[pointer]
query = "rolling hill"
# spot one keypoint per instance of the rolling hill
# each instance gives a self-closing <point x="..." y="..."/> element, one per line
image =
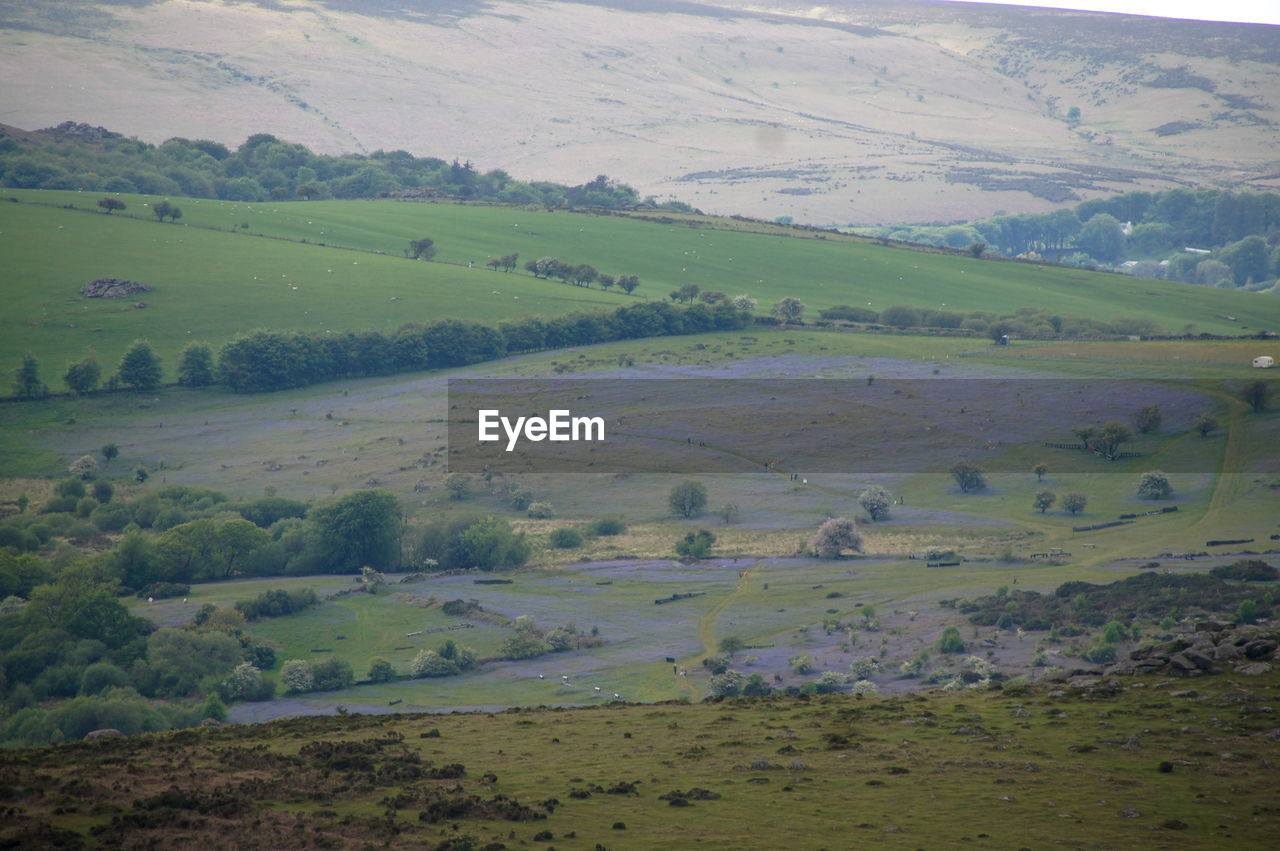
<point x="339" y="265"/>
<point x="847" y="113"/>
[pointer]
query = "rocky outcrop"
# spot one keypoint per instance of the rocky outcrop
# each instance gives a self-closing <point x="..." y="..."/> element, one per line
<point x="1213" y="648"/>
<point x="104" y="733"/>
<point x="112" y="288"/>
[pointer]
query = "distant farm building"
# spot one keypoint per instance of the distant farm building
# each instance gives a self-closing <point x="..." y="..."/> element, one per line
<point x="1264" y="362"/>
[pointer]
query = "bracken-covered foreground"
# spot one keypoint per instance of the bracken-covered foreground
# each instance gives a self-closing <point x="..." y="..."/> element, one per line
<point x="1089" y="761"/>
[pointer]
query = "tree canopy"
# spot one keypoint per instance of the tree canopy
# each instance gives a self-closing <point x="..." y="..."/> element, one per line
<point x="360" y="529"/>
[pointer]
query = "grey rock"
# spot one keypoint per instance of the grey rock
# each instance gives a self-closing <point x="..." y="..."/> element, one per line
<point x="104" y="733"/>
<point x="1254" y="669"/>
<point x="1262" y="648"/>
<point x="1226" y="652"/>
<point x="1199" y="658"/>
<point x="112" y="288"/>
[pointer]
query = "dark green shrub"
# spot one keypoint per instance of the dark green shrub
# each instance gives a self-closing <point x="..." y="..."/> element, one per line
<point x="695" y="545"/>
<point x="60" y="505"/>
<point x="112" y="516"/>
<point x="607" y="527"/>
<point x="900" y="316"/>
<point x="71" y="487"/>
<point x="541" y="510"/>
<point x="565" y="538"/>
<point x="950" y="641"/>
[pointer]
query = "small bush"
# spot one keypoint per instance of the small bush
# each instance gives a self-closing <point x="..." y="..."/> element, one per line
<point x="565" y="538"/>
<point x="429" y="663"/>
<point x="111" y="517"/>
<point x="541" y="510"/>
<point x="1100" y="655"/>
<point x="607" y="527"/>
<point x="950" y="641"/>
<point x="695" y="545"/>
<point x="60" y="505"/>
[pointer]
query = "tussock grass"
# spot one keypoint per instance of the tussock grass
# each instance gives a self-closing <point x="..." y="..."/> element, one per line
<point x="1128" y="762"/>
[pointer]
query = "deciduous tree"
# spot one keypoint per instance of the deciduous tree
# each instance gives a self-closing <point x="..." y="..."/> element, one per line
<point x="82" y="376"/>
<point x="688" y="498"/>
<point x="835" y="535"/>
<point x="360" y="529"/>
<point x="140" y="368"/>
<point x="968" y="476"/>
<point x="876" y="501"/>
<point x="195" y="365"/>
<point x="1147" y="418"/>
<point x="27" y="383"/>
<point x="422" y="249"/>
<point x="1111" y="435"/>
<point x="789" y="310"/>
<point x="1154" y="485"/>
<point x="1204" y="424"/>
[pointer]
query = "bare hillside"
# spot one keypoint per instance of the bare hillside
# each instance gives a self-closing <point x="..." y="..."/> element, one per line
<point x="846" y="113"/>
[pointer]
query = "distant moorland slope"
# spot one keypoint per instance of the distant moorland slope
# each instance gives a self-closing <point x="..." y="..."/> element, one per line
<point x="848" y="113"/>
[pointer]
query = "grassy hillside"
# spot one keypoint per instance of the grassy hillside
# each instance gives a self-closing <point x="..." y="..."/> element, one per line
<point x="211" y="284"/>
<point x="1113" y="763"/>
<point x="835" y="114"/>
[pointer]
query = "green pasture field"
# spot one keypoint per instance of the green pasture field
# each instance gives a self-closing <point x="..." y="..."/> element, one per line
<point x="216" y="283"/>
<point x="209" y="286"/>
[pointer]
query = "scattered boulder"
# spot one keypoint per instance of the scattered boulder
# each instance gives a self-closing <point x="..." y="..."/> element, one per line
<point x="1226" y="653"/>
<point x="1199" y="658"/>
<point x="1262" y="648"/>
<point x="1254" y="669"/>
<point x="104" y="733"/>
<point x="112" y="288"/>
<point x="1181" y="666"/>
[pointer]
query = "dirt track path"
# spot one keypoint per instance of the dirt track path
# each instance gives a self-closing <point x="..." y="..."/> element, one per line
<point x="707" y="630"/>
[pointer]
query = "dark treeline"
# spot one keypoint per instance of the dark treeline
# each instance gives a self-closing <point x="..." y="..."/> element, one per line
<point x="266" y="360"/>
<point x="1197" y="236"/>
<point x="1202" y="218"/>
<point x="92" y="159"/>
<point x="274" y="360"/>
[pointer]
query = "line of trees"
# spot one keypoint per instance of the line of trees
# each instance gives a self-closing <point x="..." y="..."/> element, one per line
<point x="579" y="274"/>
<point x="1023" y="322"/>
<point x="274" y="360"/>
<point x="139" y="370"/>
<point x="265" y="360"/>
<point x="265" y="167"/>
